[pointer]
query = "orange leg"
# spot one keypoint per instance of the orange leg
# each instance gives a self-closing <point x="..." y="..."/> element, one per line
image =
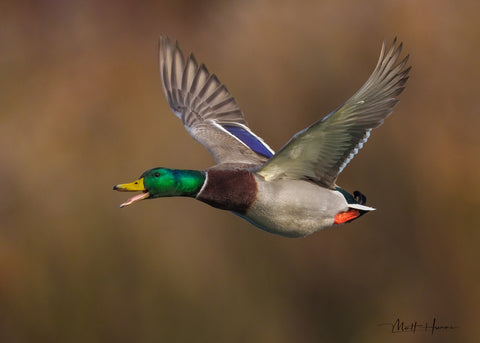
<point x="344" y="217"/>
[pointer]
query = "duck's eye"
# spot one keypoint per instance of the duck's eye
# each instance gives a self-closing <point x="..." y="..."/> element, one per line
<point x="157" y="174"/>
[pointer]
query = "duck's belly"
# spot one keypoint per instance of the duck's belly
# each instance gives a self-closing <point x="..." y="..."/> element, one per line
<point x="294" y="208"/>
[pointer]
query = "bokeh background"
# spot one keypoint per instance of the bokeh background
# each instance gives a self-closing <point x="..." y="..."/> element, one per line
<point x="81" y="109"/>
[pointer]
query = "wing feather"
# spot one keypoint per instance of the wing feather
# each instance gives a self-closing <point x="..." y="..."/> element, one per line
<point x="207" y="108"/>
<point x="320" y="152"/>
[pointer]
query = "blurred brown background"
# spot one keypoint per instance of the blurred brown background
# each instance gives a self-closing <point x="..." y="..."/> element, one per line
<point x="82" y="109"/>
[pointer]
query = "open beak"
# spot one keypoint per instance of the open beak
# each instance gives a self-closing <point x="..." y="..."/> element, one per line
<point x="134" y="186"/>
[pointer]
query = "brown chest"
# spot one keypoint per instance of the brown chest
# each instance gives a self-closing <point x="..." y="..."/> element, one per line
<point x="232" y="190"/>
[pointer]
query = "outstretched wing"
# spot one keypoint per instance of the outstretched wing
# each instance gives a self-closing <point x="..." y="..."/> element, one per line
<point x="208" y="111"/>
<point x="321" y="151"/>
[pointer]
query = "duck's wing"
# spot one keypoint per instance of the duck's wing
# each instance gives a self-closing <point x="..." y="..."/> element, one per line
<point x="207" y="109"/>
<point x="321" y="151"/>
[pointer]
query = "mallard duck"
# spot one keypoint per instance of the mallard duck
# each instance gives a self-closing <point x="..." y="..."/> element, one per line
<point x="292" y="192"/>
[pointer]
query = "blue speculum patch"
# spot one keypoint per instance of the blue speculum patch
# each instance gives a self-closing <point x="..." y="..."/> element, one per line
<point x="250" y="140"/>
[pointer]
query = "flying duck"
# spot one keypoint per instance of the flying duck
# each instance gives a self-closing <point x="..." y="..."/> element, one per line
<point x="292" y="192"/>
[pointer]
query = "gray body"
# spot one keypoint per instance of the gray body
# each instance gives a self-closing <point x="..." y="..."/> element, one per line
<point x="294" y="208"/>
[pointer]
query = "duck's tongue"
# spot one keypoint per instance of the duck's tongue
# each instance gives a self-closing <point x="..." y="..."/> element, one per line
<point x="136" y="198"/>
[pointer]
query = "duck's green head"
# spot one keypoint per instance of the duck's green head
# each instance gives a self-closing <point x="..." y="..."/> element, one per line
<point x="163" y="182"/>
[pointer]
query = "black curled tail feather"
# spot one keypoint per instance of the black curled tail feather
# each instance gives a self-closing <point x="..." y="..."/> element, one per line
<point x="359" y="198"/>
<point x="356" y="198"/>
